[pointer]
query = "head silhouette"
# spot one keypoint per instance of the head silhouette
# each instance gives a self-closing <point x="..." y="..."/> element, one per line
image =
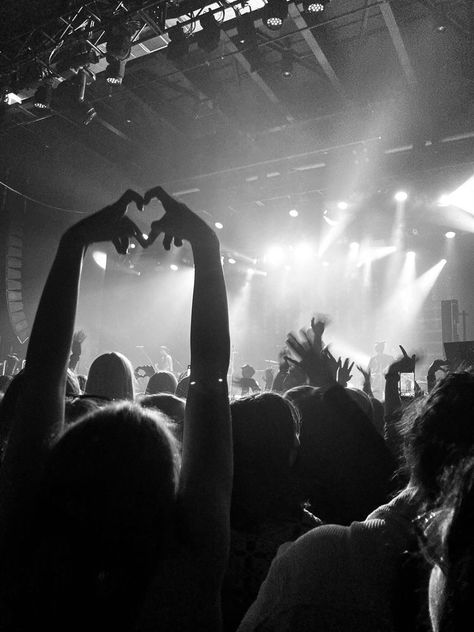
<point x="111" y="375"/>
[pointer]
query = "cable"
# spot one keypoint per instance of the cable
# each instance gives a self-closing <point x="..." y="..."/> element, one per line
<point x="27" y="197"/>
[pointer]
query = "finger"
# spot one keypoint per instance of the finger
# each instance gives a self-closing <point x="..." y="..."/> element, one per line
<point x="132" y="230"/>
<point x="160" y="194"/>
<point x="351" y="366"/>
<point x="156" y="229"/>
<point x="168" y="238"/>
<point x="292" y="361"/>
<point x="405" y="354"/>
<point x="178" y="242"/>
<point x="129" y="196"/>
<point x="120" y="247"/>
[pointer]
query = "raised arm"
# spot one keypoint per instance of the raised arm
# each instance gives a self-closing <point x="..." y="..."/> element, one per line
<point x="40" y="412"/>
<point x="206" y="473"/>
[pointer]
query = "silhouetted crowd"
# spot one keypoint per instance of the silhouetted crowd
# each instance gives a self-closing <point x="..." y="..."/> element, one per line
<point x="306" y="506"/>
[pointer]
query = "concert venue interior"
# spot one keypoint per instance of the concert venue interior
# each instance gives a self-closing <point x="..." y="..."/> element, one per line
<point x="331" y="148"/>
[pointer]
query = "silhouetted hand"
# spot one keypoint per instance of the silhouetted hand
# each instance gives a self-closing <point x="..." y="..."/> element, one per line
<point x="178" y="222"/>
<point x="365" y="374"/>
<point x="311" y="359"/>
<point x="77" y="340"/>
<point x="344" y="372"/>
<point x="437" y="365"/>
<point x="405" y="364"/>
<point x="110" y="224"/>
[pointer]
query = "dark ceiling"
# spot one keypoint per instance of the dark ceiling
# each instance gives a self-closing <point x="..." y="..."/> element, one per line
<point x="377" y="97"/>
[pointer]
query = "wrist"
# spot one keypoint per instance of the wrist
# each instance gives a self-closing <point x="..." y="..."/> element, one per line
<point x="392" y="375"/>
<point x="73" y="240"/>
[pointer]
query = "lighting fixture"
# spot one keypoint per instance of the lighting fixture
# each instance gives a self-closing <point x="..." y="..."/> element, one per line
<point x="450" y="234"/>
<point x="118" y="49"/>
<point x="210" y="35"/>
<point x="43" y="95"/>
<point x="275" y="13"/>
<point x="178" y="45"/>
<point x="246" y="32"/>
<point x="293" y="213"/>
<point x="286" y="63"/>
<point x="401" y="196"/>
<point x="219" y="225"/>
<point x="342" y="206"/>
<point x="312" y="7"/>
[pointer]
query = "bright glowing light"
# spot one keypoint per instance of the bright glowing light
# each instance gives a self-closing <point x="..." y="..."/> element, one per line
<point x="231" y="260"/>
<point x="331" y="222"/>
<point x="342" y="206"/>
<point x="450" y="234"/>
<point x="401" y="196"/>
<point x="173" y="267"/>
<point x="443" y="261"/>
<point x="411" y="254"/>
<point x="132" y="246"/>
<point x="219" y="225"/>
<point x="293" y="213"/>
<point x="274" y="255"/>
<point x="370" y="254"/>
<point x="100" y="258"/>
<point x="303" y="253"/>
<point x="463" y="196"/>
<point x="444" y="200"/>
<point x="145" y="236"/>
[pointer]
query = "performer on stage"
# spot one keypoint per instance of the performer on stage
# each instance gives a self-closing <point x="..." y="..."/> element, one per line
<point x="247" y="382"/>
<point x="378" y="364"/>
<point x="165" y="362"/>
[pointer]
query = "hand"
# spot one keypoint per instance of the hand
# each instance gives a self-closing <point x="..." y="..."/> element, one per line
<point x="405" y="364"/>
<point x="144" y="371"/>
<point x="437" y="365"/>
<point x="77" y="340"/>
<point x="311" y="360"/>
<point x="332" y="363"/>
<point x="344" y="372"/>
<point x="318" y="325"/>
<point x="110" y="224"/>
<point x="365" y="374"/>
<point x="178" y="222"/>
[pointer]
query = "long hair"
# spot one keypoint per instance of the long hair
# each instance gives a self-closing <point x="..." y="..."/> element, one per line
<point x="111" y="375"/>
<point x="107" y="507"/>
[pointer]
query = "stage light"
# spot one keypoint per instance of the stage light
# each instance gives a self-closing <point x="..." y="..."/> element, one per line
<point x="100" y="258"/>
<point x="342" y="206"/>
<point x="444" y="200"/>
<point x="246" y="29"/>
<point x="210" y="35"/>
<point x="173" y="267"/>
<point x="115" y="71"/>
<point x="118" y="49"/>
<point x="145" y="236"/>
<point x="450" y="234"/>
<point x="303" y="253"/>
<point x="219" y="225"/>
<point x="401" y="196"/>
<point x="274" y="255"/>
<point x="309" y="6"/>
<point x="443" y="262"/>
<point x="231" y="261"/>
<point x="411" y="254"/>
<point x="293" y="213"/>
<point x="286" y="64"/>
<point x="132" y="246"/>
<point x="43" y="94"/>
<point x="178" y="45"/>
<point x="275" y="13"/>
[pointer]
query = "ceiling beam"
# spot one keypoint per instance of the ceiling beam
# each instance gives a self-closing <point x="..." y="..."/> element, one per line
<point x="261" y="83"/>
<point x="397" y="40"/>
<point x="316" y="49"/>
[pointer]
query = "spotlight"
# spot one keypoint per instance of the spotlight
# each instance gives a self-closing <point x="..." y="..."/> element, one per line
<point x="145" y="236"/>
<point x="440" y="21"/>
<point x="43" y="95"/>
<point x="275" y="13"/>
<point x="210" y="34"/>
<point x="293" y="213"/>
<point x="115" y="71"/>
<point x="118" y="48"/>
<point x="312" y="7"/>
<point x="342" y="206"/>
<point x="411" y="254"/>
<point x="231" y="260"/>
<point x="450" y="234"/>
<point x="274" y="255"/>
<point x="401" y="196"/>
<point x="173" y="267"/>
<point x="100" y="258"/>
<point x="219" y="225"/>
<point x="178" y="45"/>
<point x="287" y="63"/>
<point x="444" y="200"/>
<point x="246" y="29"/>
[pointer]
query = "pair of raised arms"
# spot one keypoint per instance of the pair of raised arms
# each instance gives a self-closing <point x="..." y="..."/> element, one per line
<point x="111" y="224"/>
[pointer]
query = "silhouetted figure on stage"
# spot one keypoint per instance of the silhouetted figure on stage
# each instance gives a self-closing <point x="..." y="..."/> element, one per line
<point x="165" y="361"/>
<point x="378" y="364"/>
<point x="247" y="383"/>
